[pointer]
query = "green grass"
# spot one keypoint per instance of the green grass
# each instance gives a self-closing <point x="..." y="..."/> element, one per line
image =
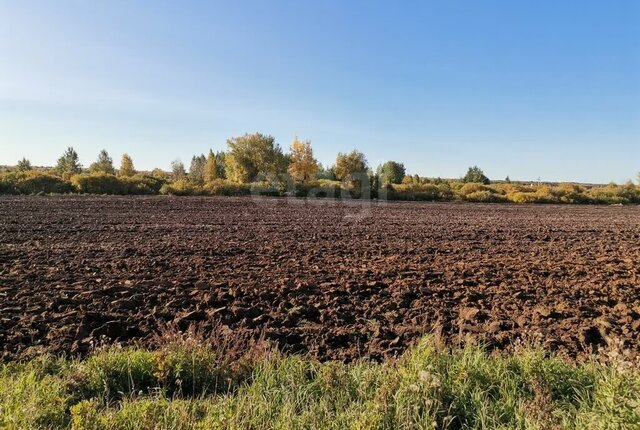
<point x="191" y="385"/>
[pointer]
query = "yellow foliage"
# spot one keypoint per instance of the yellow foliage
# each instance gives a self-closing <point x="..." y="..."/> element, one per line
<point x="485" y="196"/>
<point x="415" y="191"/>
<point x="513" y="188"/>
<point x="474" y="187"/>
<point x="181" y="187"/>
<point x="211" y="168"/>
<point x="303" y="167"/>
<point x="126" y="167"/>
<point x="351" y="166"/>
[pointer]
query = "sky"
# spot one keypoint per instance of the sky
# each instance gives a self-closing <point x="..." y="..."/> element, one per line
<point x="530" y="89"/>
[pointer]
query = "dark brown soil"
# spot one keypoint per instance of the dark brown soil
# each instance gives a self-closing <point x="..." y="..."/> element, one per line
<point x="339" y="281"/>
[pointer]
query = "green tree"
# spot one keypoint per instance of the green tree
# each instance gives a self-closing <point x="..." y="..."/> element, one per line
<point x="211" y="168"/>
<point x="24" y="165"/>
<point x="103" y="164"/>
<point x="475" y="174"/>
<point x="375" y="182"/>
<point x="69" y="163"/>
<point x="177" y="170"/>
<point x="351" y="164"/>
<point x="391" y="172"/>
<point x="303" y="167"/>
<point x="126" y="167"/>
<point x="196" y="169"/>
<point x="251" y="155"/>
<point x="220" y="163"/>
<point x="326" y="173"/>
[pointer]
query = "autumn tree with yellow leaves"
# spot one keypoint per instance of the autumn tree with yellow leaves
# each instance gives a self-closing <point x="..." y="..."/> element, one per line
<point x="126" y="167"/>
<point x="253" y="155"/>
<point x="303" y="167"/>
<point x="211" y="168"/>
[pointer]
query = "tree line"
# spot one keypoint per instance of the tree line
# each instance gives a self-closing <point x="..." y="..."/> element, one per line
<point x="256" y="161"/>
<point x="249" y="158"/>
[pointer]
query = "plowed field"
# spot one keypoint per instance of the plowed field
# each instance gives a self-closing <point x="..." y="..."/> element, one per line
<point x="335" y="280"/>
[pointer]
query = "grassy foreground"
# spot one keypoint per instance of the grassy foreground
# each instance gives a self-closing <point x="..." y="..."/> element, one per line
<point x="188" y="383"/>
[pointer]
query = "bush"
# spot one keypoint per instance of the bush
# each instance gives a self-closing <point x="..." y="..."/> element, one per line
<point x="445" y="191"/>
<point x="267" y="188"/>
<point x="143" y="184"/>
<point x="630" y="192"/>
<point x="33" y="182"/>
<point x="321" y="188"/>
<point x="511" y="188"/>
<point x="615" y="194"/>
<point x="6" y="187"/>
<point x="221" y="187"/>
<point x="8" y="181"/>
<point x="524" y="194"/>
<point x="105" y="183"/>
<point x="181" y="187"/>
<point x="415" y="191"/>
<point x="486" y="196"/>
<point x="38" y="182"/>
<point x="546" y="195"/>
<point x="480" y="193"/>
<point x="98" y="183"/>
<point x="572" y="193"/>
<point x="475" y="187"/>
<point x="521" y="197"/>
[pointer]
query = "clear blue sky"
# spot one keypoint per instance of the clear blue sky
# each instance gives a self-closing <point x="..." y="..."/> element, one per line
<point x="521" y="88"/>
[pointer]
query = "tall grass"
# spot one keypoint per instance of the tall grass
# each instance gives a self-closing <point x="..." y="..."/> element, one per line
<point x="189" y="386"/>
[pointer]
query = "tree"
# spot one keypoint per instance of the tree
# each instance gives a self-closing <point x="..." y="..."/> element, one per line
<point x="23" y="165"/>
<point x="638" y="178"/>
<point x="220" y="164"/>
<point x="475" y="174"/>
<point x="69" y="163"/>
<point x="177" y="170"/>
<point x="211" y="168"/>
<point x="507" y="179"/>
<point x="391" y="172"/>
<point x="251" y="155"/>
<point x="303" y="167"/>
<point x="126" y="167"/>
<point x="374" y="182"/>
<point x="196" y="169"/>
<point x="351" y="164"/>
<point x="103" y="164"/>
<point x="326" y="173"/>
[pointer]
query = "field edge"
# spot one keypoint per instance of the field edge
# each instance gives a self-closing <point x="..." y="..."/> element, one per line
<point x="189" y="382"/>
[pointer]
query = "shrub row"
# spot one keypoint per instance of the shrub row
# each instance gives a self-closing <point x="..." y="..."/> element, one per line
<point x="33" y="182"/>
<point x="38" y="182"/>
<point x="515" y="193"/>
<point x="104" y="183"/>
